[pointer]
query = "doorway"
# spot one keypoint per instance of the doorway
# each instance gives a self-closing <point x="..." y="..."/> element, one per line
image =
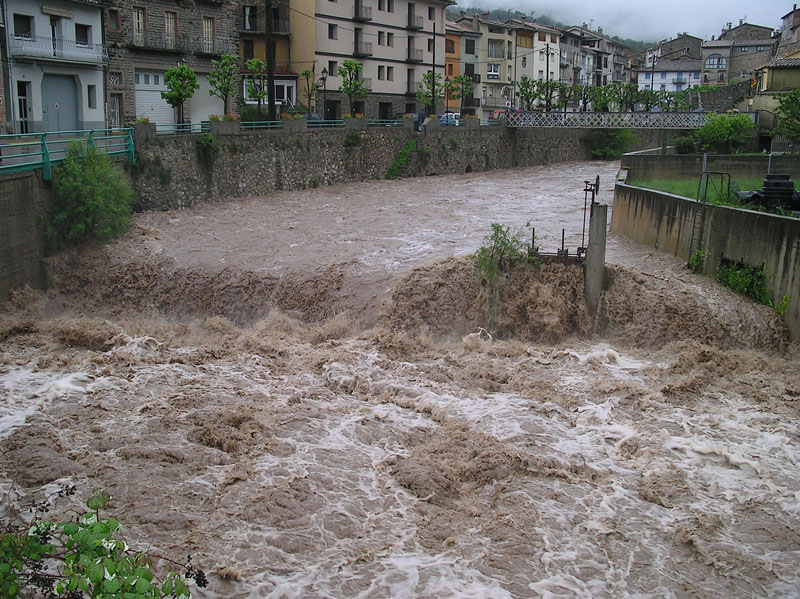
<point x="23" y="106"/>
<point x="59" y="103"/>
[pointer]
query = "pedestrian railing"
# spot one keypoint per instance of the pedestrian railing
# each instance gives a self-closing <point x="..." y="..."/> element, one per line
<point x="260" y="125"/>
<point x="31" y="151"/>
<point x="607" y="120"/>
<point x="175" y="128"/>
<point x="384" y="122"/>
<point x="325" y="124"/>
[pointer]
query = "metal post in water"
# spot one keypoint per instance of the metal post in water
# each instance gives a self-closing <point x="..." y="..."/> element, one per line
<point x="594" y="265"/>
<point x="769" y="164"/>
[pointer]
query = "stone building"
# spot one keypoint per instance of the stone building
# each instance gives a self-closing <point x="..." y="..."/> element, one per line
<point x="147" y="37"/>
<point x="54" y="70"/>
<point x="606" y="61"/>
<point x="738" y="53"/>
<point x="395" y="41"/>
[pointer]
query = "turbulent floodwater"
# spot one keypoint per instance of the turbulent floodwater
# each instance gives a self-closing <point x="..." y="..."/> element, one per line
<point x="299" y="391"/>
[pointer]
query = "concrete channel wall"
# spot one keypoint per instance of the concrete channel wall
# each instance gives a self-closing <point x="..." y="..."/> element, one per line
<point x="665" y="222"/>
<point x="647" y="166"/>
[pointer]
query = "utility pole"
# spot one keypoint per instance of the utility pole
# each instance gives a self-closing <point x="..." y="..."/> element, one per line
<point x="547" y="78"/>
<point x="270" y="63"/>
<point x="433" y="72"/>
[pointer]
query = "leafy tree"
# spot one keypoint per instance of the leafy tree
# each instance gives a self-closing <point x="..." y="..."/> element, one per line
<point x="602" y="97"/>
<point x="352" y="84"/>
<point x="563" y="95"/>
<point x="527" y="93"/>
<point x="256" y="83"/>
<point x="312" y="87"/>
<point x="583" y="95"/>
<point x="92" y="201"/>
<point x="460" y="87"/>
<point x="222" y="79"/>
<point x="648" y="97"/>
<point x="724" y="132"/>
<point x="181" y="84"/>
<point x="431" y="90"/>
<point x="546" y="91"/>
<point x="789" y="114"/>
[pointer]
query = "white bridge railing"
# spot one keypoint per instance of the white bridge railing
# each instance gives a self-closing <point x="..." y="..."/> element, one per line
<point x="608" y="120"/>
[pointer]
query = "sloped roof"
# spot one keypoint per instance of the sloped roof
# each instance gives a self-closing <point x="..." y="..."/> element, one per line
<point x="685" y="64"/>
<point x="784" y="63"/>
<point x="461" y="28"/>
<point x="718" y="44"/>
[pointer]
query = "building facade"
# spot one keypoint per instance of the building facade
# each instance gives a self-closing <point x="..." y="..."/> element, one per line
<point x="55" y="67"/>
<point x="145" y="38"/>
<point x="738" y="53"/>
<point x="671" y="75"/>
<point x="462" y="45"/>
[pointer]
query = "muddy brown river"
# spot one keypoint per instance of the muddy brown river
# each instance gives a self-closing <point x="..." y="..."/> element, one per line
<point x="307" y="394"/>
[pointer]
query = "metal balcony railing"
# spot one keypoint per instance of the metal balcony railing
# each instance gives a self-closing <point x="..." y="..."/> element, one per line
<point x="363" y="48"/>
<point x="414" y="22"/>
<point x="363" y="12"/>
<point x="37" y="46"/>
<point x="492" y="53"/>
<point x="414" y="55"/>
<point x="162" y="41"/>
<point x="280" y="26"/>
<point x="412" y="87"/>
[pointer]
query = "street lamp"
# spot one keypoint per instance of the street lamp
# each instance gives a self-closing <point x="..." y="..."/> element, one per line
<point x="324" y="79"/>
<point x="447" y="94"/>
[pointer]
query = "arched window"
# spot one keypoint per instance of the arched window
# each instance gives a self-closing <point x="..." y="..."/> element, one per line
<point x="716" y="61"/>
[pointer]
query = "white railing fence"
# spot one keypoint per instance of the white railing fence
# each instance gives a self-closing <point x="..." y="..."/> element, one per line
<point x="608" y="120"/>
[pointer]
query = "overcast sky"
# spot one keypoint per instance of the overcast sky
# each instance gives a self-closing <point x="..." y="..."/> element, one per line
<point x="650" y="21"/>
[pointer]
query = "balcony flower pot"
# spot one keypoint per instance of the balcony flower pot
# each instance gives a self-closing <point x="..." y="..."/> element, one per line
<point x="224" y="128"/>
<point x="295" y="125"/>
<point x="144" y="132"/>
<point x="355" y="124"/>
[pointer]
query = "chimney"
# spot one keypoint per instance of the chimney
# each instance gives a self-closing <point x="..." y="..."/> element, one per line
<point x="728" y="25"/>
<point x="485" y="15"/>
<point x="600" y="30"/>
<point x="463" y="14"/>
<point x="741" y="21"/>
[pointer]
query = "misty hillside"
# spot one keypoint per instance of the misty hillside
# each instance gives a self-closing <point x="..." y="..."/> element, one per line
<point x="503" y="14"/>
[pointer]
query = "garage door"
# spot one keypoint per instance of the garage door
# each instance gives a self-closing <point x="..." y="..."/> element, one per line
<point x="149" y="103"/>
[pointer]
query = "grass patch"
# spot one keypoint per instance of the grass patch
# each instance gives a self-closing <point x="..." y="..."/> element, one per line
<point x="715" y="195"/>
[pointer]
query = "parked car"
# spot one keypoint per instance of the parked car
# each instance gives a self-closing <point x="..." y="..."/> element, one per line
<point x="314" y="116"/>
<point x="450" y="119"/>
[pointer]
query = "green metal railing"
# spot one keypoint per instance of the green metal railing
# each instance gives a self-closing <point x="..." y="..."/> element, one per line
<point x="31" y="151"/>
<point x="325" y="124"/>
<point x="175" y="128"/>
<point x="257" y="125"/>
<point x="384" y="122"/>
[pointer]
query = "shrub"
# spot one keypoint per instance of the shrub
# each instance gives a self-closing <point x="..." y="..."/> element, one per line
<point x="251" y="114"/>
<point x="230" y="117"/>
<point x="93" y="199"/>
<point x="745" y="278"/>
<point x="684" y="145"/>
<point x="724" y="132"/>
<point x="352" y="139"/>
<point x="214" y="118"/>
<point x="401" y="160"/>
<point x="207" y="148"/>
<point x="82" y="557"/>
<point x="143" y="120"/>
<point x="607" y="144"/>
<point x="696" y="260"/>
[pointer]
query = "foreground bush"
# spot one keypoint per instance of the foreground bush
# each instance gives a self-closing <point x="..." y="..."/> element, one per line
<point x="92" y="202"/>
<point x="724" y="133"/>
<point x="607" y="144"/>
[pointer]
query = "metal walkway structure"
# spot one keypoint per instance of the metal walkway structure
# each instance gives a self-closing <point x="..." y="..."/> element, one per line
<point x="607" y="120"/>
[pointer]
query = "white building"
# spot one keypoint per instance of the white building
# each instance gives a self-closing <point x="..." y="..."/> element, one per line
<point x="55" y="69"/>
<point x="671" y="75"/>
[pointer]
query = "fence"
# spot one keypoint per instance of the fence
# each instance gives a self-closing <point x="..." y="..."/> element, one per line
<point x="30" y="151"/>
<point x="607" y="120"/>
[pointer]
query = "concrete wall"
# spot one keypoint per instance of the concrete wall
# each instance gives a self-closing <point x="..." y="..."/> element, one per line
<point x="665" y="222"/>
<point x="23" y="197"/>
<point x="689" y="166"/>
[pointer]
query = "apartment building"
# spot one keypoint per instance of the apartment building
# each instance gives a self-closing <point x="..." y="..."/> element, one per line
<point x="575" y="59"/>
<point x="397" y="42"/>
<point x="671" y="75"/>
<point x="682" y="45"/>
<point x="56" y="59"/>
<point x="462" y="45"/>
<point x="147" y="37"/>
<point x="737" y="54"/>
<point x="606" y="58"/>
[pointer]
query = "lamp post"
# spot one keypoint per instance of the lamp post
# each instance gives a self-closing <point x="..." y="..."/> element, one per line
<point x="324" y="79"/>
<point x="447" y="94"/>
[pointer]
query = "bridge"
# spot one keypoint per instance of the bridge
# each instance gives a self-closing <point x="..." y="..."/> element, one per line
<point x="607" y="120"/>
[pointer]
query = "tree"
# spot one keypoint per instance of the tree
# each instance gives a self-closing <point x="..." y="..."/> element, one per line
<point x="583" y="95"/>
<point x="431" y="90"/>
<point x="563" y="95"/>
<point x="312" y="87"/>
<point x="526" y="92"/>
<point x="789" y="114"/>
<point x="222" y="79"/>
<point x="546" y="91"/>
<point x="601" y="96"/>
<point x="460" y="87"/>
<point x="256" y="84"/>
<point x="352" y="84"/>
<point x="724" y="132"/>
<point x="181" y="84"/>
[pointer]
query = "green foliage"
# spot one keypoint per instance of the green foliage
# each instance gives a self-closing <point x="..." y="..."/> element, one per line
<point x="250" y="114"/>
<point x="745" y="278"/>
<point x="352" y="139"/>
<point x="684" y="145"/>
<point x="181" y="84"/>
<point x="257" y="82"/>
<point x="93" y="200"/>
<point x="352" y="84"/>
<point x="431" y="89"/>
<point x="607" y="144"/>
<point x="696" y="260"/>
<point x="222" y="78"/>
<point x="789" y="114"/>
<point x="84" y="557"/>
<point x="724" y="132"/>
<point x="460" y="87"/>
<point x="401" y="160"/>
<point x="207" y="148"/>
<point x="782" y="307"/>
<point x="312" y="86"/>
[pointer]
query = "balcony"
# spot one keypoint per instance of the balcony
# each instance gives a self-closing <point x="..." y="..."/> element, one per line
<point x="412" y="87"/>
<point x="367" y="81"/>
<point x="214" y="47"/>
<point x="414" y="55"/>
<point x="492" y="53"/>
<point x="280" y="26"/>
<point x="414" y="22"/>
<point x="151" y="40"/>
<point x="46" y="48"/>
<point x="362" y="49"/>
<point x="362" y="12"/>
<point x="620" y="59"/>
<point x="680" y="80"/>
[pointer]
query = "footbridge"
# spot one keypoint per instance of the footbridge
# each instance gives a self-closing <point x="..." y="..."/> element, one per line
<point x="606" y="120"/>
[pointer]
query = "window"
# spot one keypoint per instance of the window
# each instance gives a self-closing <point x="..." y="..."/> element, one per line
<point x="333" y="68"/>
<point x="208" y="34"/>
<point x="450" y="69"/>
<point x="147" y="79"/>
<point x="248" y="52"/>
<point x="115" y="78"/>
<point x="82" y="35"/>
<point x="381" y="38"/>
<point x="493" y="71"/>
<point x="390" y="73"/>
<point x="697" y="74"/>
<point x="113" y="20"/>
<point x="390" y="39"/>
<point x="430" y="45"/>
<point x="664" y="75"/>
<point x="744" y="48"/>
<point x="91" y="96"/>
<point x="333" y="32"/>
<point x="678" y="87"/>
<point x="380" y="4"/>
<point x="759" y="48"/>
<point x="23" y="26"/>
<point x="249" y="15"/>
<point x="431" y="13"/>
<point x="524" y="41"/>
<point x="136" y="78"/>
<point x="509" y="72"/>
<point x="469" y="46"/>
<point x="647" y="76"/>
<point x="524" y="61"/>
<point x="170" y="30"/>
<point x="541" y="75"/>
<point x="553" y="39"/>
<point x="139" y="25"/>
<point x="721" y="76"/>
<point x="449" y="46"/>
<point x="605" y="65"/>
<point x="389" y="5"/>
<point x="716" y="61"/>
<point x="155" y="79"/>
<point x="381" y="72"/>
